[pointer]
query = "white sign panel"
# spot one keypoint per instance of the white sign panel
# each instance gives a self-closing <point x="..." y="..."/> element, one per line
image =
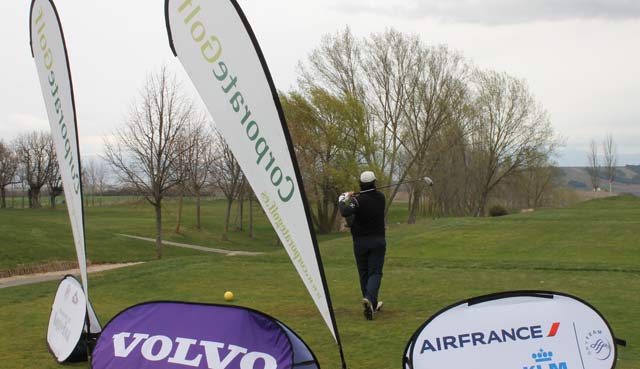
<point x="50" y="55"/>
<point x="531" y="330"/>
<point x="215" y="44"/>
<point x="68" y="318"/>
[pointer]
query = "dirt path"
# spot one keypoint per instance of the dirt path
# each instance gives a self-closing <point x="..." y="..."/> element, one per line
<point x="20" y="280"/>
<point x="196" y="247"/>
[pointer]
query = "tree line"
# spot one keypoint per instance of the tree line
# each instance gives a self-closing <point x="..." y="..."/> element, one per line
<point x="405" y="110"/>
<point x="387" y="103"/>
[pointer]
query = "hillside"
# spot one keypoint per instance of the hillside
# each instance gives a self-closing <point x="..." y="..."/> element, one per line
<point x="627" y="179"/>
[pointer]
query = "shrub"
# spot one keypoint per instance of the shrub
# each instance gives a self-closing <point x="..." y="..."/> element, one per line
<point x="497" y="211"/>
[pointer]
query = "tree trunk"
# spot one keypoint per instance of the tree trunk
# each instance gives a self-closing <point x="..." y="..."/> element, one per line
<point x="415" y="204"/>
<point x="35" y="198"/>
<point x="179" y="215"/>
<point x="198" y="223"/>
<point x="158" y="207"/>
<point x="250" y="217"/>
<point x="3" y="201"/>
<point x="482" y="205"/>
<point x="241" y="212"/>
<point x="227" y="218"/>
<point x="53" y="201"/>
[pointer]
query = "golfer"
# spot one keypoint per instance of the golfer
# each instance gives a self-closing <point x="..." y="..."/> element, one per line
<point x="365" y="214"/>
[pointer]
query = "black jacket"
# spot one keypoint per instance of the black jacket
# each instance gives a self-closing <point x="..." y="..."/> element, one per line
<point x="368" y="209"/>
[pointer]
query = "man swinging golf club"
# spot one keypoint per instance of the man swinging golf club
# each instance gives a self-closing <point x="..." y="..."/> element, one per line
<point x="365" y="213"/>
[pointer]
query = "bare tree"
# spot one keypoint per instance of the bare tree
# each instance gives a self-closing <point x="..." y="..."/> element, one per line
<point x="94" y="179"/>
<point x="54" y="180"/>
<point x="227" y="175"/>
<point x="8" y="170"/>
<point x="200" y="160"/>
<point x="610" y="159"/>
<point x="33" y="151"/>
<point x="509" y="131"/>
<point x="390" y="65"/>
<point x="438" y="99"/>
<point x="145" y="151"/>
<point x="335" y="66"/>
<point x="594" y="165"/>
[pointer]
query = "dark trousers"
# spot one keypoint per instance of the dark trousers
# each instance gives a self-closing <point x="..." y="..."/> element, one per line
<point x="369" y="253"/>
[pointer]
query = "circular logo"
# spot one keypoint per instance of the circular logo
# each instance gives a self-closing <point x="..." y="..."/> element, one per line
<point x="597" y="345"/>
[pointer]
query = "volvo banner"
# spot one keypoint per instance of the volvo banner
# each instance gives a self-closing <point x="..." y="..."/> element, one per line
<point x="527" y="329"/>
<point x="49" y="51"/>
<point x="66" y="333"/>
<point x="219" y="51"/>
<point x="165" y="334"/>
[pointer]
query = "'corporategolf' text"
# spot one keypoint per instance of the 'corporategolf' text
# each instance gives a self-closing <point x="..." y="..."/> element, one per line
<point x="272" y="207"/>
<point x="49" y="63"/>
<point x="211" y="51"/>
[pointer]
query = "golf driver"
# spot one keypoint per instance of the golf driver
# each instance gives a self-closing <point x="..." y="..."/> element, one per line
<point x="427" y="180"/>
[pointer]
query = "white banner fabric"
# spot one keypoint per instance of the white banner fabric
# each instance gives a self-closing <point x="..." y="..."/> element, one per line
<point x="536" y="332"/>
<point x="214" y="42"/>
<point x="50" y="55"/>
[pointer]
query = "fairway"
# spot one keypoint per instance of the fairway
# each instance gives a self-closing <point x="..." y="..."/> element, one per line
<point x="590" y="250"/>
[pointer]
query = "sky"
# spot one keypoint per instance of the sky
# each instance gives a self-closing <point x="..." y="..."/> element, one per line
<point x="580" y="58"/>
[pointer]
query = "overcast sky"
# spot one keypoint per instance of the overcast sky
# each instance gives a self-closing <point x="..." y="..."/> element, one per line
<point x="580" y="58"/>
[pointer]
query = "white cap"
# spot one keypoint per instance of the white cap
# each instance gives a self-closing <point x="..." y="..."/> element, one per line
<point x="367" y="177"/>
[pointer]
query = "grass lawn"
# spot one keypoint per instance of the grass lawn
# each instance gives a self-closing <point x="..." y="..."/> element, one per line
<point x="590" y="250"/>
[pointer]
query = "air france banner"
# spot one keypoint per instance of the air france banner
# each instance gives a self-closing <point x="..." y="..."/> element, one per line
<point x="173" y="335"/>
<point x="527" y="329"/>
<point x="219" y="51"/>
<point x="50" y="54"/>
<point x="67" y="322"/>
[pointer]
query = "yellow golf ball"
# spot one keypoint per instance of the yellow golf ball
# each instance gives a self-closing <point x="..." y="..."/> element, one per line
<point x="228" y="295"/>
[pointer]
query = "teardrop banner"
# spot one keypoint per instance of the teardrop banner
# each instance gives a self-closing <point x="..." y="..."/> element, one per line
<point x="49" y="51"/>
<point x="219" y="51"/>
<point x="67" y="330"/>
<point x="517" y="329"/>
<point x="173" y="334"/>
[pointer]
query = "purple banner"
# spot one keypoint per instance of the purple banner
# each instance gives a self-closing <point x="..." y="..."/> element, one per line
<point x="172" y="335"/>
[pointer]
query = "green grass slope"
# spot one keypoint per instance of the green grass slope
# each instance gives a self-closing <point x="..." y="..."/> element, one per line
<point x="590" y="250"/>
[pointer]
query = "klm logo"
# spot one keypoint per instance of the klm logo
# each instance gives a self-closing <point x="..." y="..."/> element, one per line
<point x="544" y="360"/>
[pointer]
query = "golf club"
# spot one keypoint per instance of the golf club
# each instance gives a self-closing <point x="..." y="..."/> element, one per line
<point x="426" y="180"/>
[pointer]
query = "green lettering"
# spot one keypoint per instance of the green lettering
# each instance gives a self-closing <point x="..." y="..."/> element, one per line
<point x="261" y="149"/>
<point x="197" y="37"/>
<point x="223" y="75"/>
<point x="231" y="84"/>
<point x="191" y="15"/>
<point x="58" y="105"/>
<point x="39" y="17"/>
<point x="271" y="160"/>
<point x="291" y="189"/>
<point x="234" y="101"/>
<point x="247" y="114"/>
<point x="207" y="46"/>
<point x="256" y="131"/>
<point x="184" y="5"/>
<point x="277" y="172"/>
<point x="43" y="39"/>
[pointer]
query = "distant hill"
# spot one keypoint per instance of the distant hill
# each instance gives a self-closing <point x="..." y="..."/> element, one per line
<point x="627" y="179"/>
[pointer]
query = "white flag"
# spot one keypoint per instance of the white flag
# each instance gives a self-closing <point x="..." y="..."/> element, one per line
<point x="50" y="54"/>
<point x="217" y="48"/>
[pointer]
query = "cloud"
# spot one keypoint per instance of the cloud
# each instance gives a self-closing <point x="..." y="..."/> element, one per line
<point x="18" y="123"/>
<point x="498" y="12"/>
